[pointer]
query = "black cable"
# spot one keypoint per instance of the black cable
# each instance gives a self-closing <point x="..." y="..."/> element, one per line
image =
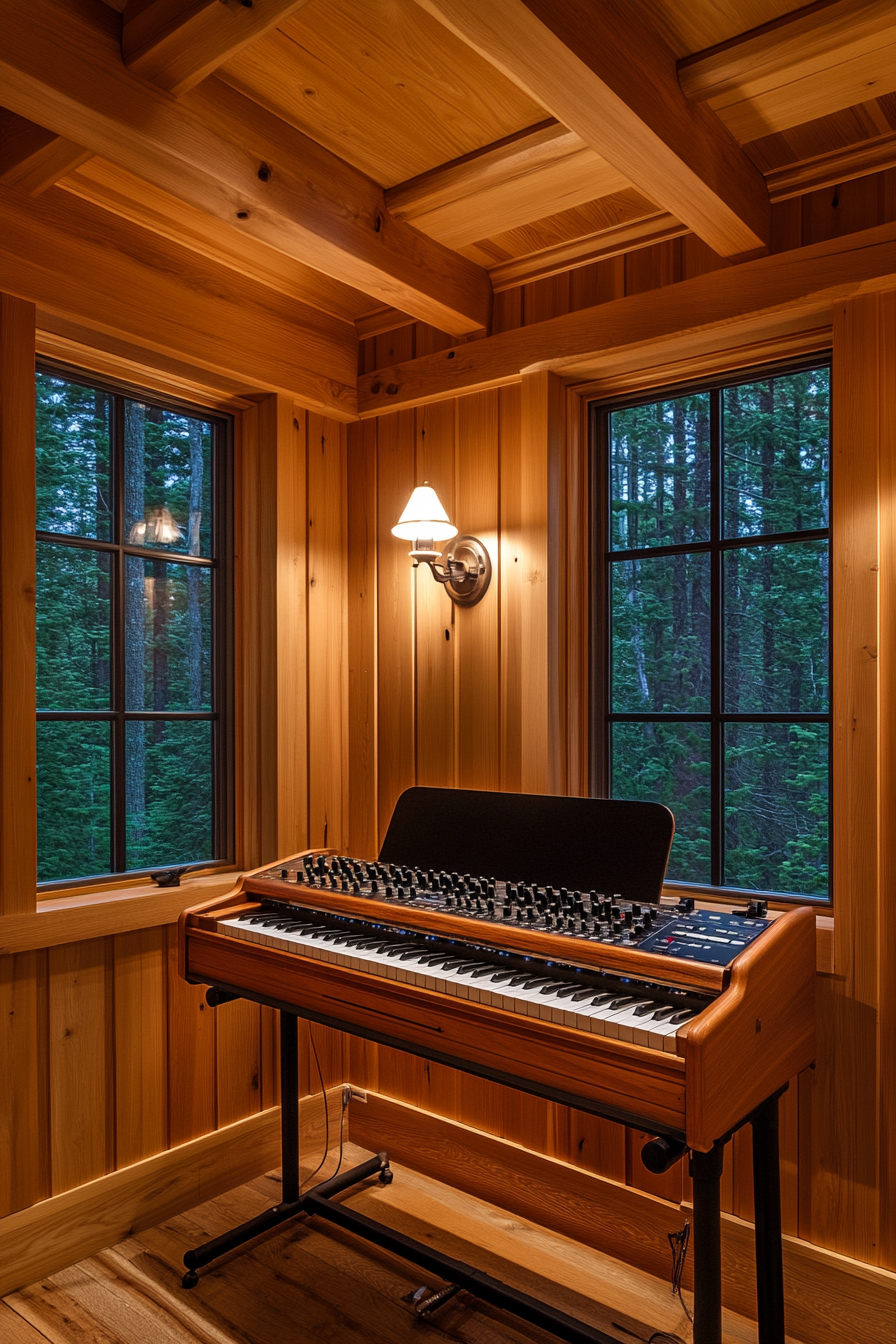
<point x="678" y="1244"/>
<point x="323" y="1092"/>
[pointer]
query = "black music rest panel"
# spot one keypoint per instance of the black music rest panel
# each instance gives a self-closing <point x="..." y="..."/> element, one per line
<point x="601" y="844"/>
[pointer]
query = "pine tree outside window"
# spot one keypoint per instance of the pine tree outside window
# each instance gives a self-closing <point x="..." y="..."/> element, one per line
<point x="133" y="632"/>
<point x="712" y="664"/>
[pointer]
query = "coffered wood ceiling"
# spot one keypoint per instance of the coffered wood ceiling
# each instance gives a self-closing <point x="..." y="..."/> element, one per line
<point x="356" y="155"/>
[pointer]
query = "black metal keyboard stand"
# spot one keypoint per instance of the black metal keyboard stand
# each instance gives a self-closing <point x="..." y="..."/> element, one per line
<point x="706" y="1171"/>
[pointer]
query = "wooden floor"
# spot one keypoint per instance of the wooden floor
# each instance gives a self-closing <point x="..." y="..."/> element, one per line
<point x="314" y="1284"/>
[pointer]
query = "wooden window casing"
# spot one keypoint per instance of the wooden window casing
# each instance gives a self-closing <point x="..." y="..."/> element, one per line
<point x="219" y="563"/>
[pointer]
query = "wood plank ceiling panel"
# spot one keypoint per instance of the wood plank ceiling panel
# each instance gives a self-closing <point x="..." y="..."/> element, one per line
<point x="381" y="84"/>
<point x="687" y="26"/>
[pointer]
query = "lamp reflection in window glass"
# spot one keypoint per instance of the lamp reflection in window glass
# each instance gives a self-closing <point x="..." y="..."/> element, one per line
<point x="132" y="740"/>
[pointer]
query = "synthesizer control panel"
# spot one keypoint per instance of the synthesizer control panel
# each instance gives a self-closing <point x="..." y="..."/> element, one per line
<point x="680" y="931"/>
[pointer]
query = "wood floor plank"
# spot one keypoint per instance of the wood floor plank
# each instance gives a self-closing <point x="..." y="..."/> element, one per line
<point x="14" y="1329"/>
<point x="315" y="1282"/>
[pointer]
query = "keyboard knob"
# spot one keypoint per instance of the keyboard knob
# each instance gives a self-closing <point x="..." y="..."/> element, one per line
<point x="617" y="925"/>
<point x="549" y="920"/>
<point x="530" y="913"/>
<point x="284" y="874"/>
<point x="637" y="928"/>
<point x="506" y="911"/>
<point x="636" y="910"/>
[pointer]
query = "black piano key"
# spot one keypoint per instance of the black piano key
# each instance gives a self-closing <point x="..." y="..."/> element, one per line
<point x="646" y="1008"/>
<point x="558" y="987"/>
<point x="684" y="1015"/>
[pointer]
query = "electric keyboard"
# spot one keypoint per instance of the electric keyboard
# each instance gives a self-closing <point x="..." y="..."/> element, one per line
<point x="528" y="941"/>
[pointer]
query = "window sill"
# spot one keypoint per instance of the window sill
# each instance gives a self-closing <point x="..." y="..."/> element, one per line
<point x="99" y="911"/>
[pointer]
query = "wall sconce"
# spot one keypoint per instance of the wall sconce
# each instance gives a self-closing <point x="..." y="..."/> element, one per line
<point x="466" y="568"/>
<point x="158" y="528"/>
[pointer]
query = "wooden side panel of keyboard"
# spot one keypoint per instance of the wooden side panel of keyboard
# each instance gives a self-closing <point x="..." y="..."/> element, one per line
<point x="615" y="1073"/>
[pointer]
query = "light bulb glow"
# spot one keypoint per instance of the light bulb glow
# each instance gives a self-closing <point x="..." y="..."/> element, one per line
<point x="424" y="518"/>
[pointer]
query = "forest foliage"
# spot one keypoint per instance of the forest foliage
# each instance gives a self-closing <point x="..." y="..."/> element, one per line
<point x="117" y="631"/>
<point x="677" y="480"/>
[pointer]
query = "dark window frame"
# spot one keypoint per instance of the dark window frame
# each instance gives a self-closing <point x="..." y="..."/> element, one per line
<point x="220" y="564"/>
<point x="602" y="716"/>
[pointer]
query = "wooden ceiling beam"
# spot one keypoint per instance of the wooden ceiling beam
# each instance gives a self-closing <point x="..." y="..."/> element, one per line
<point x="600" y="71"/>
<point x="75" y="260"/>
<point x="504" y="185"/>
<point x="133" y="198"/>
<point x="32" y="158"/>
<point x="673" y="319"/>
<point x="60" y="64"/>
<point x="176" y="43"/>
<point x="798" y="68"/>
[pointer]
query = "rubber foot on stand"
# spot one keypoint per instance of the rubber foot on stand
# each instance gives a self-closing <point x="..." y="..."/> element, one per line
<point x="190" y="1279"/>
<point x="386" y="1176"/>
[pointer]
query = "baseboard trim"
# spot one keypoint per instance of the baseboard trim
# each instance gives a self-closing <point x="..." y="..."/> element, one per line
<point x="66" y="1228"/>
<point x="829" y="1297"/>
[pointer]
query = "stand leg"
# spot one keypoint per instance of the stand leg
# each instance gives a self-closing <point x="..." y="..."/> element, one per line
<point x="767" y="1213"/>
<point x="289" y="1106"/>
<point x="290" y="1203"/>
<point x="706" y="1171"/>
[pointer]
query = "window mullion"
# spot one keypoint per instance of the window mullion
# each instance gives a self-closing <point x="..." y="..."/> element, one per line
<point x="119" y="763"/>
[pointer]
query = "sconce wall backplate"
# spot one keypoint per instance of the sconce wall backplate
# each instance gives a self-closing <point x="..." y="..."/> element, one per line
<point x="469" y="551"/>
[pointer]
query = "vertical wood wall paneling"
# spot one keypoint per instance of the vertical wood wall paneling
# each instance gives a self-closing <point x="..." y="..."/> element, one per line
<point x="887" y="782"/>
<point x="327" y="671"/>
<point x="478" y="679"/>
<point x="18" y="748"/>
<point x="438" y="625"/>
<point x="845" y="1147"/>
<point x="577" y="551"/>
<point x="287" y="424"/>
<point x="192" y="1104"/>
<point x="80" y="1066"/>
<point x="540" y="446"/>
<point x="24" y="1130"/>
<point x="394" y="585"/>
<point x="361" y="488"/>
<point x="141" y="1047"/>
<point x="509" y="581"/>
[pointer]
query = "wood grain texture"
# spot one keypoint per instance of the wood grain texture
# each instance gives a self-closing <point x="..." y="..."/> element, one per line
<point x="129" y="197"/>
<point x="80" y="1064"/>
<point x="327" y="702"/>
<point x="32" y="158"/>
<point x="844" y="1102"/>
<point x="539" y="444"/>
<point x="61" y="1230"/>
<point x="177" y="45"/>
<point x="361" y="464"/>
<point x="478" y="628"/>
<point x="191" y="1050"/>
<point x="64" y="67"/>
<point x="238" y="1061"/>
<point x="505" y="185"/>
<point x="422" y="97"/>
<point x="18" y="744"/>
<point x="72" y="259"/>
<point x="24" y="1130"/>
<point x="816" y="63"/>
<point x="771" y="995"/>
<point x="437" y="628"/>
<point x="613" y="1073"/>
<point x="887" y="758"/>
<point x="141" y="1047"/>
<point x="612" y="81"/>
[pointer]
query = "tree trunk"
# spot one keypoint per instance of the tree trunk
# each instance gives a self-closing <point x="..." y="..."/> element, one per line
<point x="194" y="617"/>
<point x="134" y="618"/>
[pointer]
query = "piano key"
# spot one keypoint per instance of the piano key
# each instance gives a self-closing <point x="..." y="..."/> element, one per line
<point x="473" y="975"/>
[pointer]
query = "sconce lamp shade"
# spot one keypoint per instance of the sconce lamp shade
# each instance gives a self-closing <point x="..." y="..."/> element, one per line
<point x="158" y="528"/>
<point x="424" y="517"/>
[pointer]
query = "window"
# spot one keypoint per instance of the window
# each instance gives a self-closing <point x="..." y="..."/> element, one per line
<point x="133" y="632"/>
<point x="711" y="621"/>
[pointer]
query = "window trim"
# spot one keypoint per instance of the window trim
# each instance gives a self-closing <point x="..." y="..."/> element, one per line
<point x="597" y="410"/>
<point x="223" y="716"/>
